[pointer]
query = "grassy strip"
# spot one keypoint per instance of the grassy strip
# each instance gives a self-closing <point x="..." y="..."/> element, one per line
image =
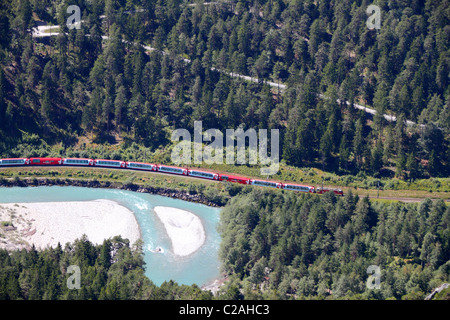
<point x="434" y="187"/>
<point x="211" y="189"/>
<point x="140" y="178"/>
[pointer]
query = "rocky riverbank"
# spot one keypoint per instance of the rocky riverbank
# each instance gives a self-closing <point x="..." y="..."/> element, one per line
<point x="166" y="192"/>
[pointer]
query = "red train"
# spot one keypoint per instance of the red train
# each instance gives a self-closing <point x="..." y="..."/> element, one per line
<point x="325" y="190"/>
<point x="119" y="164"/>
<point x="45" y="161"/>
<point x="234" y="179"/>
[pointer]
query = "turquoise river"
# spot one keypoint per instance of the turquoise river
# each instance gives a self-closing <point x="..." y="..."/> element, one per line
<point x="201" y="267"/>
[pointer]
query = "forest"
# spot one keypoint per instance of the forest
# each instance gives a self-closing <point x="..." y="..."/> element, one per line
<point x="113" y="270"/>
<point x="276" y="245"/>
<point x="78" y="87"/>
<point x="136" y="70"/>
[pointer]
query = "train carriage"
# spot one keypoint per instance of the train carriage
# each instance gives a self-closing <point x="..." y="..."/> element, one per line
<point x="109" y="163"/>
<point x="77" y="162"/>
<point x="234" y="179"/>
<point x="174" y="170"/>
<point x="14" y="162"/>
<point x="45" y="161"/>
<point x="299" y="188"/>
<point x="338" y="192"/>
<point x="141" y="166"/>
<point x="262" y="183"/>
<point x="203" y="174"/>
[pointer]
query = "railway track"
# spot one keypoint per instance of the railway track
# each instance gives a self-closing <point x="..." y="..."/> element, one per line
<point x="45" y="31"/>
<point x="171" y="175"/>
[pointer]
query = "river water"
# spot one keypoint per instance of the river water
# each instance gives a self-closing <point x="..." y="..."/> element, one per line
<point x="201" y="267"/>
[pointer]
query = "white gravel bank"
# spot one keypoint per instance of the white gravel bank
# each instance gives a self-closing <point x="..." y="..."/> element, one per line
<point x="47" y="223"/>
<point x="185" y="229"/>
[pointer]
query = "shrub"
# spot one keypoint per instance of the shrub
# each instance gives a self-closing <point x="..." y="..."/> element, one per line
<point x="6" y="223"/>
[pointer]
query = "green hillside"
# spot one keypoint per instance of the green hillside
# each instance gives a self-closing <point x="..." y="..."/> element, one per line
<point x="76" y="88"/>
<point x="366" y="110"/>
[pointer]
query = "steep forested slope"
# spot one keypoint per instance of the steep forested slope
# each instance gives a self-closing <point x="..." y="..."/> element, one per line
<point x="78" y="85"/>
<point x="113" y="270"/>
<point x="278" y="245"/>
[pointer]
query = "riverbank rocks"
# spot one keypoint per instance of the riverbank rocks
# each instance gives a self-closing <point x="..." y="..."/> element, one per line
<point x="165" y="192"/>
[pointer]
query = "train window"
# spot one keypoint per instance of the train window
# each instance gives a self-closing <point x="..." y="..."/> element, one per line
<point x="109" y="163"/>
<point x="139" y="165"/>
<point x="76" y="161"/>
<point x="298" y="188"/>
<point x="36" y="160"/>
<point x="202" y="174"/>
<point x="12" y="161"/>
<point x="263" y="183"/>
<point x="171" y="169"/>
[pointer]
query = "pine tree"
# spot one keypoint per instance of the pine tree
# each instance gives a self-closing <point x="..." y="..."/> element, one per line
<point x="426" y="252"/>
<point x="344" y="153"/>
<point x="326" y="146"/>
<point x="433" y="165"/>
<point x="104" y="258"/>
<point x="358" y="143"/>
<point x="5" y="30"/>
<point x="400" y="165"/>
<point x="305" y="139"/>
<point x="381" y="104"/>
<point x="377" y="161"/>
<point x="107" y="108"/>
<point x="231" y="110"/>
<point x="46" y="108"/>
<point x="13" y="287"/>
<point x="23" y="20"/>
<point x="120" y="103"/>
<point x="3" y="104"/>
<point x="399" y="134"/>
<point x="412" y="166"/>
<point x="365" y="217"/>
<point x="289" y="151"/>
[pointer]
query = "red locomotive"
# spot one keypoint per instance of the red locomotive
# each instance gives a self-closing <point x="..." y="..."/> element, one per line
<point x="45" y="161"/>
<point x="338" y="192"/>
<point x="234" y="179"/>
